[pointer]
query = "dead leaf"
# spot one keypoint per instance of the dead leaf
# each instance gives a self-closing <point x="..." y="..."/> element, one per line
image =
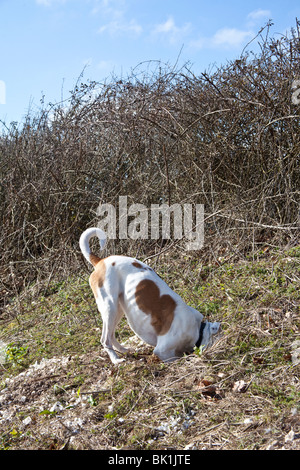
<point x="153" y="359"/>
<point x="207" y="387"/>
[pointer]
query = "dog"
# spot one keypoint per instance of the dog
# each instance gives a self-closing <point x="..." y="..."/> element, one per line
<point x="156" y="314"/>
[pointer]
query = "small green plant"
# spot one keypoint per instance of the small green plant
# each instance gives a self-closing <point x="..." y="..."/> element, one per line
<point x="15" y="433"/>
<point x="15" y="354"/>
<point x="47" y="413"/>
<point x="110" y="415"/>
<point x="92" y="401"/>
<point x="198" y="351"/>
<point x="210" y="308"/>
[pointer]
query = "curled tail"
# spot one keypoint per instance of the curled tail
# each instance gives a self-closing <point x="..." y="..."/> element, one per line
<point x="84" y="243"/>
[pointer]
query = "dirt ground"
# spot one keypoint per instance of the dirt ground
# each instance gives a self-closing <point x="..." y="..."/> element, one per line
<point x="143" y="404"/>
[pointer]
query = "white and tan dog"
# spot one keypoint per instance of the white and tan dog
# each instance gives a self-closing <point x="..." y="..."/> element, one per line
<point x="154" y="312"/>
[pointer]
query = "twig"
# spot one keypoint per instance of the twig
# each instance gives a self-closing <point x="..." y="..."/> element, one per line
<point x="292" y="116"/>
<point x="209" y="429"/>
<point x="137" y="400"/>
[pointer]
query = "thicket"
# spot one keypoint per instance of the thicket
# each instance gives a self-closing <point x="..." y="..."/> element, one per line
<point x="227" y="138"/>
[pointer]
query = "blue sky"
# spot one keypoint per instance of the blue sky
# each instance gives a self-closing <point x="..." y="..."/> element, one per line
<point x="46" y="44"/>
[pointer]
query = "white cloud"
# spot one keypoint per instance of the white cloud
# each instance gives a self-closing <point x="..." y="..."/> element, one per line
<point x="259" y="14"/>
<point x="108" y="7"/>
<point x="223" y="38"/>
<point x="231" y="37"/>
<point x="115" y="21"/>
<point x="167" y="27"/>
<point x="121" y="26"/>
<point x="171" y="31"/>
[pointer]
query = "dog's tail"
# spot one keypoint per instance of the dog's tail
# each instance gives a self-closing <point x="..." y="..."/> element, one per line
<point x="84" y="243"/>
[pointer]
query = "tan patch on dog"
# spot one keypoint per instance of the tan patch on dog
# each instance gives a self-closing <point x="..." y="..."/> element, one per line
<point x="94" y="259"/>
<point x="161" y="308"/>
<point x="97" y="277"/>
<point x="138" y="265"/>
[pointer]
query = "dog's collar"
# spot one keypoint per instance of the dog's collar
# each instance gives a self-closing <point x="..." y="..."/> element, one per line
<point x="202" y="326"/>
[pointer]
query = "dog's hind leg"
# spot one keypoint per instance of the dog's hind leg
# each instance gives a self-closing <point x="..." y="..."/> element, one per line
<point x="115" y="342"/>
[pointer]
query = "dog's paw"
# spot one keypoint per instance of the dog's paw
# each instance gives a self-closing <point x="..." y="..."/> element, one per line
<point x="121" y="349"/>
<point x="118" y="361"/>
<point x="129" y="350"/>
<point x="115" y="359"/>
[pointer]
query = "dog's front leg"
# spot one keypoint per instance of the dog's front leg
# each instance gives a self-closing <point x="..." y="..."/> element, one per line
<point x="109" y="317"/>
<point x="165" y="354"/>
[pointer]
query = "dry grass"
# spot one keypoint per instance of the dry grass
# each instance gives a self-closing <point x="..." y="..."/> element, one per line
<point x="242" y="393"/>
<point x="228" y="139"/>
